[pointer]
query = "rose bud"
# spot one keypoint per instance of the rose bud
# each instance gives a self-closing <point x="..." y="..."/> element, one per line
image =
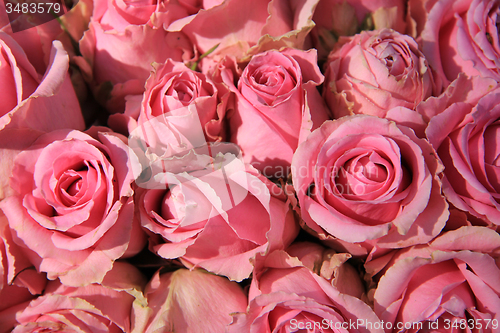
<point x="276" y="94"/>
<point x="376" y="71"/>
<point x="172" y="92"/>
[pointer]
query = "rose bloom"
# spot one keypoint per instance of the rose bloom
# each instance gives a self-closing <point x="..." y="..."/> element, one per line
<point x="287" y="296"/>
<point x="175" y="92"/>
<point x="364" y="178"/>
<point x="375" y="71"/>
<point x="104" y="307"/>
<point x="73" y="191"/>
<point x="15" y="265"/>
<point x="18" y="283"/>
<point x="463" y="89"/>
<point x="242" y="28"/>
<point x="335" y="18"/>
<point x="466" y="136"/>
<point x="215" y="213"/>
<point x="276" y="101"/>
<point x="175" y="15"/>
<point x="36" y="41"/>
<point x="449" y="285"/>
<point x="122" y="43"/>
<point x="30" y="100"/>
<point x="462" y="36"/>
<point x="189" y="301"/>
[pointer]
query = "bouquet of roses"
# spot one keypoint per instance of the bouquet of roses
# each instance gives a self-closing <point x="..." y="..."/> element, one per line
<point x="250" y="166"/>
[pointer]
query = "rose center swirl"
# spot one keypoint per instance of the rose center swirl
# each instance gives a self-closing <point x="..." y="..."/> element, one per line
<point x="362" y="176"/>
<point x="183" y="90"/>
<point x="395" y="56"/>
<point x="72" y="185"/>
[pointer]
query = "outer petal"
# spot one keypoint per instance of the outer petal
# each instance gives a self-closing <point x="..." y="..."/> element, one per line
<point x="53" y="105"/>
<point x="178" y="301"/>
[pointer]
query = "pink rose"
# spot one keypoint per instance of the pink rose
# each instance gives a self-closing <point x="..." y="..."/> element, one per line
<point x="73" y="190"/>
<point x="287" y="296"/>
<point x="462" y="36"/>
<point x="13" y="299"/>
<point x="19" y="283"/>
<point x="364" y="178"/>
<point x="449" y="285"/>
<point x="173" y="15"/>
<point x="241" y="28"/>
<point x="374" y="72"/>
<point x="121" y="45"/>
<point x="276" y="102"/>
<point x="15" y="267"/>
<point x="36" y="41"/>
<point x="180" y="111"/>
<point x="215" y="213"/>
<point x="104" y="307"/>
<point x="465" y="136"/>
<point x="30" y="100"/>
<point x="174" y="91"/>
<point x="463" y="89"/>
<point x="190" y="302"/>
<point x="335" y="18"/>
